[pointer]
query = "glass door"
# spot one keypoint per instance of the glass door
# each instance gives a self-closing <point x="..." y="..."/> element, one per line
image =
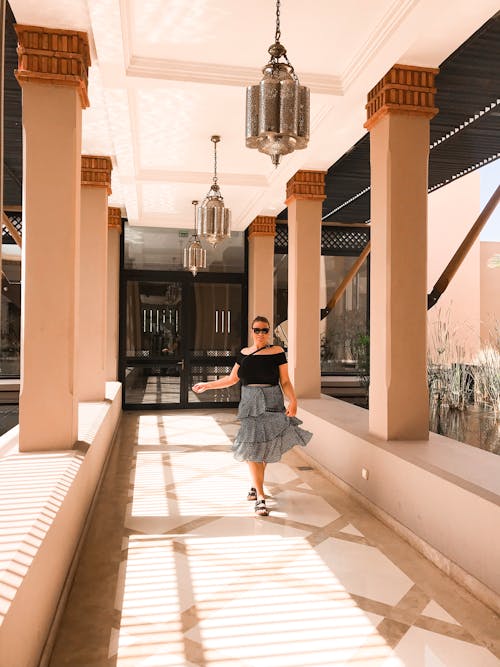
<point x="215" y="338"/>
<point x="153" y="344"/>
<point x="176" y="333"/>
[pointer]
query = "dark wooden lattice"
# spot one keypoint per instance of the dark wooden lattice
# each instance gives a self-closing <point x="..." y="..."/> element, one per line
<point x="17" y="220"/>
<point x="281" y="239"/>
<point x="343" y="241"/>
<point x="334" y="240"/>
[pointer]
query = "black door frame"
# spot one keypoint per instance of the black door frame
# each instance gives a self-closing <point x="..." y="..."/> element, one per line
<point x="186" y="279"/>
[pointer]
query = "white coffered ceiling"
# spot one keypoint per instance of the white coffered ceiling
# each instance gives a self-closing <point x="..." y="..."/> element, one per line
<point x="167" y="74"/>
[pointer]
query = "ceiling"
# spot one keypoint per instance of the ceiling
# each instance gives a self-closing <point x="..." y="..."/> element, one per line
<point x="167" y="74"/>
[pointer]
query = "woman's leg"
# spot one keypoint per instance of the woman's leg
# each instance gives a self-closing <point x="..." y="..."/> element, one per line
<point x="256" y="469"/>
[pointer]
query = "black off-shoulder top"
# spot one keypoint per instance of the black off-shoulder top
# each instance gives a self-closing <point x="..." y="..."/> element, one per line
<point x="260" y="368"/>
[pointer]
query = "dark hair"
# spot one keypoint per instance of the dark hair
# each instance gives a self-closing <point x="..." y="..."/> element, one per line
<point x="261" y="318"/>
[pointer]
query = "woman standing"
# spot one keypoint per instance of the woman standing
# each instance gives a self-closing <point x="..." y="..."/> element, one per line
<point x="267" y="430"/>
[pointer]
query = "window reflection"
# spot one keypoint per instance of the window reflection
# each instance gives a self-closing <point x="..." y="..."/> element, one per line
<point x="344" y="332"/>
<point x="10" y="334"/>
<point x="153" y="319"/>
<point x="162" y="248"/>
<point x="152" y="384"/>
<point x="217" y="319"/>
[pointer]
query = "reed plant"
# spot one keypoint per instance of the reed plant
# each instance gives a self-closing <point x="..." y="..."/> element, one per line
<point x="486" y="372"/>
<point x="453" y="383"/>
<point x="449" y="377"/>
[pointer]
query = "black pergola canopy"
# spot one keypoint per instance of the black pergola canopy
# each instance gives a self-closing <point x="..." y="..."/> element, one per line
<point x="468" y="95"/>
<point x="13" y="135"/>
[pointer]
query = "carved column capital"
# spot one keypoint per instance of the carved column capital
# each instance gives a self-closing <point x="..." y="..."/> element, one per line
<point x="405" y="89"/>
<point x="115" y="218"/>
<point x="53" y="56"/>
<point x="263" y="225"/>
<point x="96" y="171"/>
<point x="306" y="184"/>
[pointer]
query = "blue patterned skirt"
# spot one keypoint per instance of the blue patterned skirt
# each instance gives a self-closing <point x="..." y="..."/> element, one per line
<point x="266" y="432"/>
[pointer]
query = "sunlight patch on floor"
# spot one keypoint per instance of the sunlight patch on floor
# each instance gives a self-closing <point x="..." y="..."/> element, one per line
<point x="150" y="626"/>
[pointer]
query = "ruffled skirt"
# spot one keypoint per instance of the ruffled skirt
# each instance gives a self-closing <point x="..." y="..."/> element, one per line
<point x="266" y="432"/>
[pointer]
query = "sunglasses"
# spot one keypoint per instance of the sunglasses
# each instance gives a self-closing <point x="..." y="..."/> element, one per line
<point x="261" y="331"/>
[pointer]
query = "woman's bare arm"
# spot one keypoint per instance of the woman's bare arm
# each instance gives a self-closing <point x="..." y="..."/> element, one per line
<point x="288" y="390"/>
<point x="226" y="381"/>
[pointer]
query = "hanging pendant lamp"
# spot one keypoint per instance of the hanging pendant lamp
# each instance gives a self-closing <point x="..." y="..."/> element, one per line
<point x="277" y="120"/>
<point x="195" y="256"/>
<point x="214" y="220"/>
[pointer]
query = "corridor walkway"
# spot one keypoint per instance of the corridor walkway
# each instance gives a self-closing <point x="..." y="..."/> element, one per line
<point x="176" y="571"/>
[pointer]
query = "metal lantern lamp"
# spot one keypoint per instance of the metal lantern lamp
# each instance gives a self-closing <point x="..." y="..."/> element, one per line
<point x="195" y="256"/>
<point x="277" y="120"/>
<point x="214" y="219"/>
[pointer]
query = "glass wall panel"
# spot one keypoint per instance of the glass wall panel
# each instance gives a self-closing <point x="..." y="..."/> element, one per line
<point x="177" y="333"/>
<point x="216" y="319"/>
<point x="344" y="332"/>
<point x="160" y="248"/>
<point x="10" y="319"/>
<point x="281" y="300"/>
<point x="147" y="385"/>
<point x="153" y="319"/>
<point x="216" y="339"/>
<point x="207" y="373"/>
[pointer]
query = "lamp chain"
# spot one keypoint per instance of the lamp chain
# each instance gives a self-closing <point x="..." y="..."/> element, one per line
<point x="277" y="35"/>
<point x="215" y="163"/>
<point x="195" y="204"/>
<point x="275" y="58"/>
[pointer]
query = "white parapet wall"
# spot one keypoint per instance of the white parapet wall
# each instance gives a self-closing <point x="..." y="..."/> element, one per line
<point x="45" y="499"/>
<point x="441" y="495"/>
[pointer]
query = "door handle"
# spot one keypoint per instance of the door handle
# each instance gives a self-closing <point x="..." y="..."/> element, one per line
<point x="181" y="364"/>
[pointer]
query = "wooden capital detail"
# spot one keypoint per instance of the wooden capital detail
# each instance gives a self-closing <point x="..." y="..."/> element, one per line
<point x="96" y="171"/>
<point x="115" y="218"/>
<point x="263" y="225"/>
<point x="306" y="185"/>
<point x="53" y="56"/>
<point x="405" y="90"/>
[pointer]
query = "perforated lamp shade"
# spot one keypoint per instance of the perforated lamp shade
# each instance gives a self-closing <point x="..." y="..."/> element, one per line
<point x="277" y="117"/>
<point x="213" y="221"/>
<point x="195" y="256"/>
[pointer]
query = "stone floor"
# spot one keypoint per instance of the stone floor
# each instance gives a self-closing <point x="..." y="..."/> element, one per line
<point x="176" y="571"/>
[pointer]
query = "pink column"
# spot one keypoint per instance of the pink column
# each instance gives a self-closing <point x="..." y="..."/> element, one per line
<point x="399" y="109"/>
<point x="53" y="66"/>
<point x="96" y="186"/>
<point x="261" y="235"/>
<point x="114" y="231"/>
<point x="305" y="194"/>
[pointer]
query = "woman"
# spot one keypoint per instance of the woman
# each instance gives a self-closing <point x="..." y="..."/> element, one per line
<point x="267" y="430"/>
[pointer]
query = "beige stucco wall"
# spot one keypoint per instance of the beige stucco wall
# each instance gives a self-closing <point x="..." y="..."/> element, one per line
<point x="490" y="289"/>
<point x="47" y="535"/>
<point x="452" y="211"/>
<point x="408" y="480"/>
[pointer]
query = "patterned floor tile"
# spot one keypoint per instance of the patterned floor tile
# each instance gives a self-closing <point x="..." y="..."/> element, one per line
<point x="176" y="570"/>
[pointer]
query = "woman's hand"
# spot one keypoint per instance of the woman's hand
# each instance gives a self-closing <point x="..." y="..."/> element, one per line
<point x="291" y="410"/>
<point x="200" y="387"/>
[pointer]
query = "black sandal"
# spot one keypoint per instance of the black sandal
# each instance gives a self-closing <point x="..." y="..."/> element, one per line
<point x="252" y="494"/>
<point x="261" y="509"/>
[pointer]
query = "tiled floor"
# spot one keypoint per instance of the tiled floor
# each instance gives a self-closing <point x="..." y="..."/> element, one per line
<point x="176" y="571"/>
